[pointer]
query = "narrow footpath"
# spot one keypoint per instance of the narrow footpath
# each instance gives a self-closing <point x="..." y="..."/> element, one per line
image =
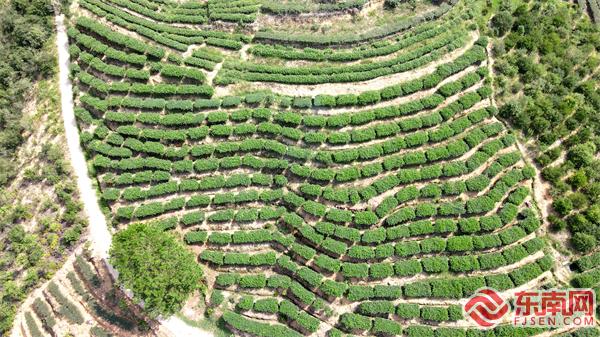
<point x="99" y="233"/>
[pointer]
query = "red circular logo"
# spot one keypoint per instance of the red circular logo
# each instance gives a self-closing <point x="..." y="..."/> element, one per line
<point x="486" y="307"/>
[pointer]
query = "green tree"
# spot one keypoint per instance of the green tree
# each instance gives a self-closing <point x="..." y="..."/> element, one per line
<point x="7" y="314"/>
<point x="502" y="22"/>
<point x="562" y="206"/>
<point x="156" y="267"/>
<point x="582" y="154"/>
<point x="593" y="214"/>
<point x="578" y="179"/>
<point x="396" y="3"/>
<point x="583" y="242"/>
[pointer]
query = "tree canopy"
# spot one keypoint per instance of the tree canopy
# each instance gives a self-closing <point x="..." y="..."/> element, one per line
<point x="583" y="242"/>
<point x="156" y="267"/>
<point x="546" y="84"/>
<point x="502" y="22"/>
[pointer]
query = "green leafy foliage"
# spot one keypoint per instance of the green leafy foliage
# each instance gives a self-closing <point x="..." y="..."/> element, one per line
<point x="156" y="267"/>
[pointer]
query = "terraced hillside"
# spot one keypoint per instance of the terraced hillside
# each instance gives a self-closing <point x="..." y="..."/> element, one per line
<point x="592" y="7"/>
<point x="328" y="183"/>
<point x="81" y="300"/>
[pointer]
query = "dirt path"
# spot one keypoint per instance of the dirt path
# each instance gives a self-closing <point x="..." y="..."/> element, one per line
<point x="244" y="52"/>
<point x="210" y="76"/>
<point x="541" y="189"/>
<point x="176" y="327"/>
<point x="99" y="234"/>
<point x="192" y="48"/>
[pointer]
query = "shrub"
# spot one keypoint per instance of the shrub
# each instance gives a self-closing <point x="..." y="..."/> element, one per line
<point x="384" y="251"/>
<point x="308" y="322"/>
<point x="381" y="270"/>
<point x="314" y="208"/>
<point x="421" y="227"/>
<point x="279" y="281"/>
<point x="44" y="312"/>
<point x="408" y="310"/>
<point x="514" y="254"/>
<point x="433" y="244"/>
<point x="386" y="327"/>
<point x="438" y="314"/>
<point x="435" y="264"/>
<point x="302" y="102"/>
<point x="400" y="216"/>
<point x="417" y="289"/>
<point x="404" y="249"/>
<point x="408" y="267"/>
<point x="267" y="305"/>
<point x="333" y="288"/>
<point x="309" y="276"/>
<point x="245" y="303"/>
<point x="376" y="235"/>
<point x="354" y="322"/>
<point x="446" y="288"/>
<point x="325" y="101"/>
<point x="252" y="281"/>
<point x="219" y="238"/>
<point x="460" y="243"/>
<point x="243" y="324"/>
<point x="365" y="218"/>
<point x="455" y="312"/>
<point x="388" y="292"/>
<point x="419" y="331"/>
<point x="347" y="233"/>
<point x="66" y="308"/>
<point x="195" y="237"/>
<point x="355" y="270"/>
<point x="301" y="293"/>
<point x="303" y="251"/>
<point x="375" y="308"/>
<point x="338" y="215"/>
<point x="525" y="274"/>
<point x="511" y="234"/>
<point x="360" y="293"/>
<point x="490" y="223"/>
<point x="334" y="246"/>
<point x="461" y="264"/>
<point x="345" y="100"/>
<point x="368" y="97"/>
<point x="192" y="218"/>
<point x="212" y="256"/>
<point x="499" y="282"/>
<point x="586" y="262"/>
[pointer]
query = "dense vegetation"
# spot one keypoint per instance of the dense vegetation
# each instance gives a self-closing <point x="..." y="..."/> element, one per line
<point x="391" y="181"/>
<point x="26" y="27"/>
<point x="156" y="267"/>
<point x="552" y="71"/>
<point x="40" y="220"/>
<point x="292" y="210"/>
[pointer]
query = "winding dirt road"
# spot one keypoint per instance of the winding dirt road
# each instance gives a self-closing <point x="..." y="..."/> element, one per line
<point x="99" y="233"/>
